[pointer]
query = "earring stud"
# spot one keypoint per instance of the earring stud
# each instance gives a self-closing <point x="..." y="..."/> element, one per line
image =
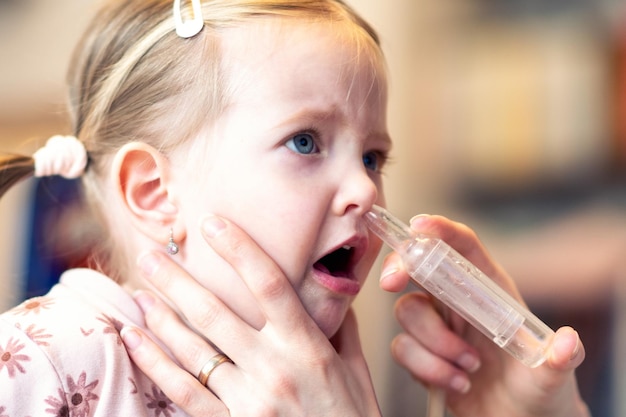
<point x="171" y="247"/>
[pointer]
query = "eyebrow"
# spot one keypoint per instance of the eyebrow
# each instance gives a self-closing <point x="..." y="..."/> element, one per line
<point x="315" y="115"/>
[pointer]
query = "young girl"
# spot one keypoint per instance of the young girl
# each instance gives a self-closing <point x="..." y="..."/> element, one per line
<point x="264" y="122"/>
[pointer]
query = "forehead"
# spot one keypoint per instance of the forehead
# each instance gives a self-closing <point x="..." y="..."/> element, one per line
<point x="295" y="54"/>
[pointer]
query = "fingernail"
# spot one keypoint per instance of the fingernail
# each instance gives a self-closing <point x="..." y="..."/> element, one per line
<point x="144" y="299"/>
<point x="469" y="362"/>
<point x="460" y="384"/>
<point x="388" y="271"/>
<point x="576" y="348"/>
<point x="212" y="225"/>
<point x="418" y="218"/>
<point x="563" y="342"/>
<point x="131" y="338"/>
<point x="148" y="263"/>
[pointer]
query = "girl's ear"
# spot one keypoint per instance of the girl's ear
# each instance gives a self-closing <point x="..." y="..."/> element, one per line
<point x="141" y="175"/>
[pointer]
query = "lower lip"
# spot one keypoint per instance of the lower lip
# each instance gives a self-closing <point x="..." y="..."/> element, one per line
<point x="339" y="285"/>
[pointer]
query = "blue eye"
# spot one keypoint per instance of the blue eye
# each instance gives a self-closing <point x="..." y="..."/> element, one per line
<point x="302" y="143"/>
<point x="371" y="161"/>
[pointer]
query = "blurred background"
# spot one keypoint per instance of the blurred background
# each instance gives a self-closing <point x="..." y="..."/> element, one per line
<point x="508" y="115"/>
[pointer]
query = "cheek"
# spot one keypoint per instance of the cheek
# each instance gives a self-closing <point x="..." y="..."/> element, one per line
<point x="285" y="235"/>
<point x="276" y="211"/>
<point x="216" y="275"/>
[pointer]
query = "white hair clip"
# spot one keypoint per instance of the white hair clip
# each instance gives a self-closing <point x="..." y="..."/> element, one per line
<point x="188" y="28"/>
<point x="63" y="155"/>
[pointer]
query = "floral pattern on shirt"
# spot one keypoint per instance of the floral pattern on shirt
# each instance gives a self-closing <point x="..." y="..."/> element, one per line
<point x="33" y="306"/>
<point x="11" y="359"/>
<point x="58" y="404"/>
<point x="159" y="403"/>
<point x="75" y="402"/>
<point x="114" y="326"/>
<point x="36" y="335"/>
<point x="80" y="394"/>
<point x="133" y="384"/>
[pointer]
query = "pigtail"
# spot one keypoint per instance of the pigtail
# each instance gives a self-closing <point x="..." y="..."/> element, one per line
<point x="62" y="155"/>
<point x="13" y="169"/>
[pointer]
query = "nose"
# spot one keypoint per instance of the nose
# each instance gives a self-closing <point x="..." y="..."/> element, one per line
<point x="357" y="192"/>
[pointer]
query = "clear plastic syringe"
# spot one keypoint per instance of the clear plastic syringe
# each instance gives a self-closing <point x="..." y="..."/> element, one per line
<point x="452" y="279"/>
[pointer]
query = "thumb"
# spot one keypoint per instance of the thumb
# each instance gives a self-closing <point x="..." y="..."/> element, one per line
<point x="556" y="375"/>
<point x="567" y="351"/>
<point x="393" y="277"/>
<point x="565" y="354"/>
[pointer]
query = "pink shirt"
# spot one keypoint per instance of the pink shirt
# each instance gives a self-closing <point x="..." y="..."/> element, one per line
<point x="61" y="354"/>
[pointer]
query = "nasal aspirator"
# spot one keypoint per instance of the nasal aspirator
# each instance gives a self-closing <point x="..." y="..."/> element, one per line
<point x="457" y="283"/>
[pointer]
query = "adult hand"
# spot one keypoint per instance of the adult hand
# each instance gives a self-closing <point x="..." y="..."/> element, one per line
<point x="286" y="368"/>
<point x="480" y="379"/>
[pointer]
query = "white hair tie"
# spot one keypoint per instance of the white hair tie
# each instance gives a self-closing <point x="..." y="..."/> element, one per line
<point x="63" y="155"/>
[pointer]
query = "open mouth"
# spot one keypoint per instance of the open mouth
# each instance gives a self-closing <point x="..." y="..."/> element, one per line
<point x="337" y="263"/>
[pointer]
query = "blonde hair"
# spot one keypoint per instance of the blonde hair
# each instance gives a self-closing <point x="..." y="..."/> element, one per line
<point x="132" y="78"/>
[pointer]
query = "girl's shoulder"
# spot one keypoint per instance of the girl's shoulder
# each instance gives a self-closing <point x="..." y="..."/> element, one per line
<point x="65" y="320"/>
<point x="64" y="353"/>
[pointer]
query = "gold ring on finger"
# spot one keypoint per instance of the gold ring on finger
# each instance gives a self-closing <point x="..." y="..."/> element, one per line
<point x="210" y="366"/>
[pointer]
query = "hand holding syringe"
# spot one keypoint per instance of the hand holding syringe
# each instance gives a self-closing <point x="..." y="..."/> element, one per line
<point x="452" y="279"/>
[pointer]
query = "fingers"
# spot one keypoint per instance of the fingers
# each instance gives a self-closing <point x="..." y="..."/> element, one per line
<point x="416" y="314"/>
<point x="287" y="364"/>
<point x="393" y="277"/>
<point x="555" y="381"/>
<point x="214" y="320"/>
<point x="461" y="238"/>
<point x="426" y="366"/>
<point x="202" y="308"/>
<point x="178" y="385"/>
<point x="567" y="351"/>
<point x="429" y="349"/>
<point x="273" y="292"/>
<point x="190" y="350"/>
<point x="455" y="234"/>
<point x="264" y="278"/>
<point x="566" y="354"/>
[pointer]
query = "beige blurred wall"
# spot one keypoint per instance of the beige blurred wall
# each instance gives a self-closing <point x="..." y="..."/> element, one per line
<point x="509" y="106"/>
<point x="36" y="38"/>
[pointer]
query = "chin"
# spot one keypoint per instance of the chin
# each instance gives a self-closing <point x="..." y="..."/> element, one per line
<point x="329" y="320"/>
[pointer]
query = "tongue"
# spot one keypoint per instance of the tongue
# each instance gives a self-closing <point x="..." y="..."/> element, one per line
<point x="321" y="267"/>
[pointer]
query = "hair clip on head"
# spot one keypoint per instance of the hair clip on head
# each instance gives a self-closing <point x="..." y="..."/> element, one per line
<point x="188" y="28"/>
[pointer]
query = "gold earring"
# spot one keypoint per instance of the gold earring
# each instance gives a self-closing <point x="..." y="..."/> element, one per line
<point x="171" y="247"/>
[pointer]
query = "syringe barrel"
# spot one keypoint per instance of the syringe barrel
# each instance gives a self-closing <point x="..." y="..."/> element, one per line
<point x="451" y="278"/>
